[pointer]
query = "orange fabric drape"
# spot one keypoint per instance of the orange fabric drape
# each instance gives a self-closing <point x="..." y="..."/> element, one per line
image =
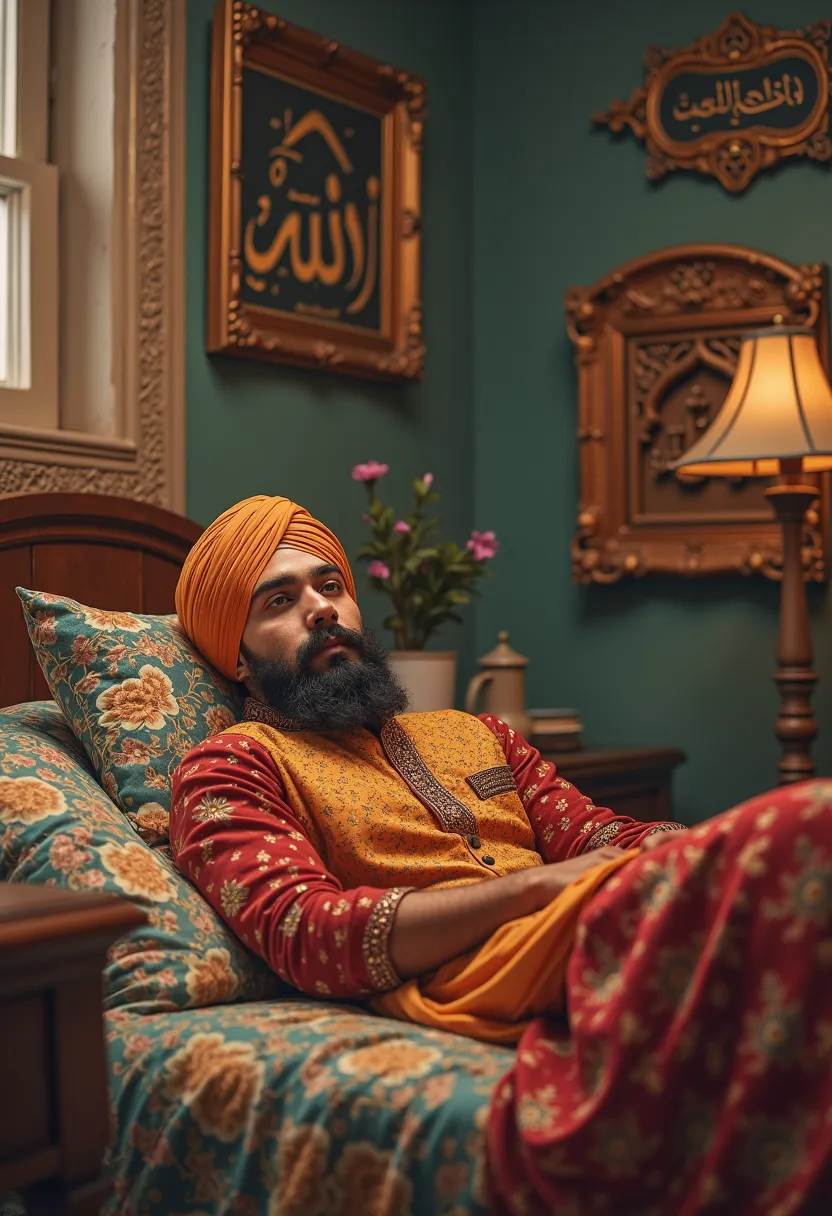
<point x="493" y="992"/>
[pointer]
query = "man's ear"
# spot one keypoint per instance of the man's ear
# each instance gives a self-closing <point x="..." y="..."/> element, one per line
<point x="242" y="669"/>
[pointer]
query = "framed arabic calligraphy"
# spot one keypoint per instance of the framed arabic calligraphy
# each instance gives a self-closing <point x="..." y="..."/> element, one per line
<point x="656" y="343"/>
<point x="315" y="201"/>
<point x="732" y="103"/>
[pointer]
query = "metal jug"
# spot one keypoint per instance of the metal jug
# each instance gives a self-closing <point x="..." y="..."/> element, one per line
<point x="503" y="679"/>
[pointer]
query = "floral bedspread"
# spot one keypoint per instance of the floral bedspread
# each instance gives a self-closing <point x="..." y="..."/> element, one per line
<point x="296" y="1108"/>
<point x="231" y="1097"/>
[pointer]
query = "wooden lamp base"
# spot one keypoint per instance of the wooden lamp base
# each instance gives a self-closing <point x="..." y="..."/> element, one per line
<point x="796" y="726"/>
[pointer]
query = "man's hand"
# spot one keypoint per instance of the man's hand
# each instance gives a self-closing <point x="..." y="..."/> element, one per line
<point x="432" y="927"/>
<point x="658" y="838"/>
<point x="547" y="882"/>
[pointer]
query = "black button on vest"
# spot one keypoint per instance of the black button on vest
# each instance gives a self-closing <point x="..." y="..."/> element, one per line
<point x="475" y="842"/>
<point x="489" y="861"/>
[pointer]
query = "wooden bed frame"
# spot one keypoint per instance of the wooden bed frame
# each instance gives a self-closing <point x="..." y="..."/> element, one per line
<point x="104" y="551"/>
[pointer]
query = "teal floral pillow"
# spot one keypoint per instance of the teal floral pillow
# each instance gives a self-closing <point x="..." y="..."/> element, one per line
<point x="59" y="828"/>
<point x="136" y="694"/>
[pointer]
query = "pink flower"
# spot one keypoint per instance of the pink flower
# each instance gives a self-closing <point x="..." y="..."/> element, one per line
<point x="401" y="526"/>
<point x="428" y="479"/>
<point x="483" y="545"/>
<point x="378" y="570"/>
<point x="365" y="518"/>
<point x="371" y="471"/>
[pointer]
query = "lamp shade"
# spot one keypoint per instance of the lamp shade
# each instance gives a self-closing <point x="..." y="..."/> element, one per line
<point x="779" y="407"/>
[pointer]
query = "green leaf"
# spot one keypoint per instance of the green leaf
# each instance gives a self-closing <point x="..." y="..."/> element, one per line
<point x="429" y="580"/>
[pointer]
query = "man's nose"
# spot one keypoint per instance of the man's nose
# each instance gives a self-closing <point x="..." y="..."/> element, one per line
<point x="320" y="611"/>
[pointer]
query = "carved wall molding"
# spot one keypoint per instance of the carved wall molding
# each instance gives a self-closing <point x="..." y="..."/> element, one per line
<point x="656" y="344"/>
<point x="147" y="463"/>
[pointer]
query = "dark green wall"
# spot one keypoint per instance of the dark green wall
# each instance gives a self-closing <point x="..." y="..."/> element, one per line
<point x="261" y="428"/>
<point x="522" y="199"/>
<point x="556" y="203"/>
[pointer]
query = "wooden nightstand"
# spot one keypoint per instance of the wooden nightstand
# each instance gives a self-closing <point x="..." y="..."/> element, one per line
<point x="54" y="1111"/>
<point x="636" y="782"/>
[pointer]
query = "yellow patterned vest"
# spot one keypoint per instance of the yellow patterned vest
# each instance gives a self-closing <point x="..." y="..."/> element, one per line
<point x="431" y="802"/>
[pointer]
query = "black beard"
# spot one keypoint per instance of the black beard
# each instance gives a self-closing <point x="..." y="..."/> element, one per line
<point x="345" y="696"/>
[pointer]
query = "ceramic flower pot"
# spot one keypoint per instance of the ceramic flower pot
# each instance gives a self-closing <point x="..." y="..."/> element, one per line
<point x="429" y="677"/>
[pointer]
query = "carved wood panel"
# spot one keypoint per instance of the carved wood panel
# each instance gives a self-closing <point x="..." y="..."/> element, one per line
<point x="656" y="345"/>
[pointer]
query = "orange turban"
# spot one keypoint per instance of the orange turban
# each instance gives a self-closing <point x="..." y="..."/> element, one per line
<point x="213" y="595"/>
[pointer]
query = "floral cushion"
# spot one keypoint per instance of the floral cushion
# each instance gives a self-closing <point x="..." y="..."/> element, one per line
<point x="297" y="1108"/>
<point x="134" y="691"/>
<point x="58" y="827"/>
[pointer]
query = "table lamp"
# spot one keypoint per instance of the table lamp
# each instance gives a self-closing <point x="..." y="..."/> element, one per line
<point x="777" y="420"/>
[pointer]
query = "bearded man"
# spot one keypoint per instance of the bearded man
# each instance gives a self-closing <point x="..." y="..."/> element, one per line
<point x="670" y="991"/>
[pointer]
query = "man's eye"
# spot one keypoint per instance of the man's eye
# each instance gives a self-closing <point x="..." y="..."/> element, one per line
<point x="332" y="585"/>
<point x="278" y="601"/>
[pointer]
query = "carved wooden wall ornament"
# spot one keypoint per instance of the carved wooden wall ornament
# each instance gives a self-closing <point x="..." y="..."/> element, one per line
<point x="315" y="201"/>
<point x="732" y="103"/>
<point x="656" y="344"/>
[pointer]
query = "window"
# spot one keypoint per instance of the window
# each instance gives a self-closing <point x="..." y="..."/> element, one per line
<point x="28" y="222"/>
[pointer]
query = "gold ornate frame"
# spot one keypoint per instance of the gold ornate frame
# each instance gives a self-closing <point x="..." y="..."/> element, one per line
<point x="734" y="158"/>
<point x="148" y="462"/>
<point x="656" y="343"/>
<point x="243" y="33"/>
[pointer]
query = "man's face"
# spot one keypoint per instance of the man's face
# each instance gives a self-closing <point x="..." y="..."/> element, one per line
<point x="304" y="653"/>
<point x="296" y="598"/>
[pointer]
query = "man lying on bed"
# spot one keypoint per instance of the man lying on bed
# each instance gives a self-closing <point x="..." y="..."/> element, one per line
<point x="436" y="867"/>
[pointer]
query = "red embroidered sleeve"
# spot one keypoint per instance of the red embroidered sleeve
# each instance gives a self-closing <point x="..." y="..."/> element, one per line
<point x="235" y="837"/>
<point x="565" y="822"/>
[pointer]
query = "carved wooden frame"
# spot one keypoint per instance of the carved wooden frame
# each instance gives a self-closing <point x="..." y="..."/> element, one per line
<point x="695" y="302"/>
<point x="734" y="158"/>
<point x="148" y="462"/>
<point x="239" y="328"/>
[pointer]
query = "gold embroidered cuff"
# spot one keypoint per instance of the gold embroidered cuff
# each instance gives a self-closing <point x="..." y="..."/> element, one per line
<point x="604" y="835"/>
<point x="670" y="826"/>
<point x="376" y="937"/>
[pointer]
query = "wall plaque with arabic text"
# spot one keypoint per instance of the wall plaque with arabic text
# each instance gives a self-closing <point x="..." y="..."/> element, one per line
<point x="732" y="103"/>
<point x="315" y="207"/>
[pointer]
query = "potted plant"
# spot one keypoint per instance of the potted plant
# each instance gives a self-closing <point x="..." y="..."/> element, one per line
<point x="427" y="582"/>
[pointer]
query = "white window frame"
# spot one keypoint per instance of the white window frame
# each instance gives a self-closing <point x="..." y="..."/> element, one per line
<point x="29" y="298"/>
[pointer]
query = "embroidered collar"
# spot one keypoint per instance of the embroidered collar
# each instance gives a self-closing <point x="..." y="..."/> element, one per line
<point x="256" y="711"/>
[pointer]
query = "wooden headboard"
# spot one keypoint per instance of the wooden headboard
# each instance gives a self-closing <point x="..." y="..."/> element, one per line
<point x="104" y="551"/>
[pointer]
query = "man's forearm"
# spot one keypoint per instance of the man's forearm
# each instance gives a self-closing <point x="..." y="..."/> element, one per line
<point x="433" y="927"/>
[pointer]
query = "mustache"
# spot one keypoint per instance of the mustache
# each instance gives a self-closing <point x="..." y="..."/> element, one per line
<point x="319" y="638"/>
